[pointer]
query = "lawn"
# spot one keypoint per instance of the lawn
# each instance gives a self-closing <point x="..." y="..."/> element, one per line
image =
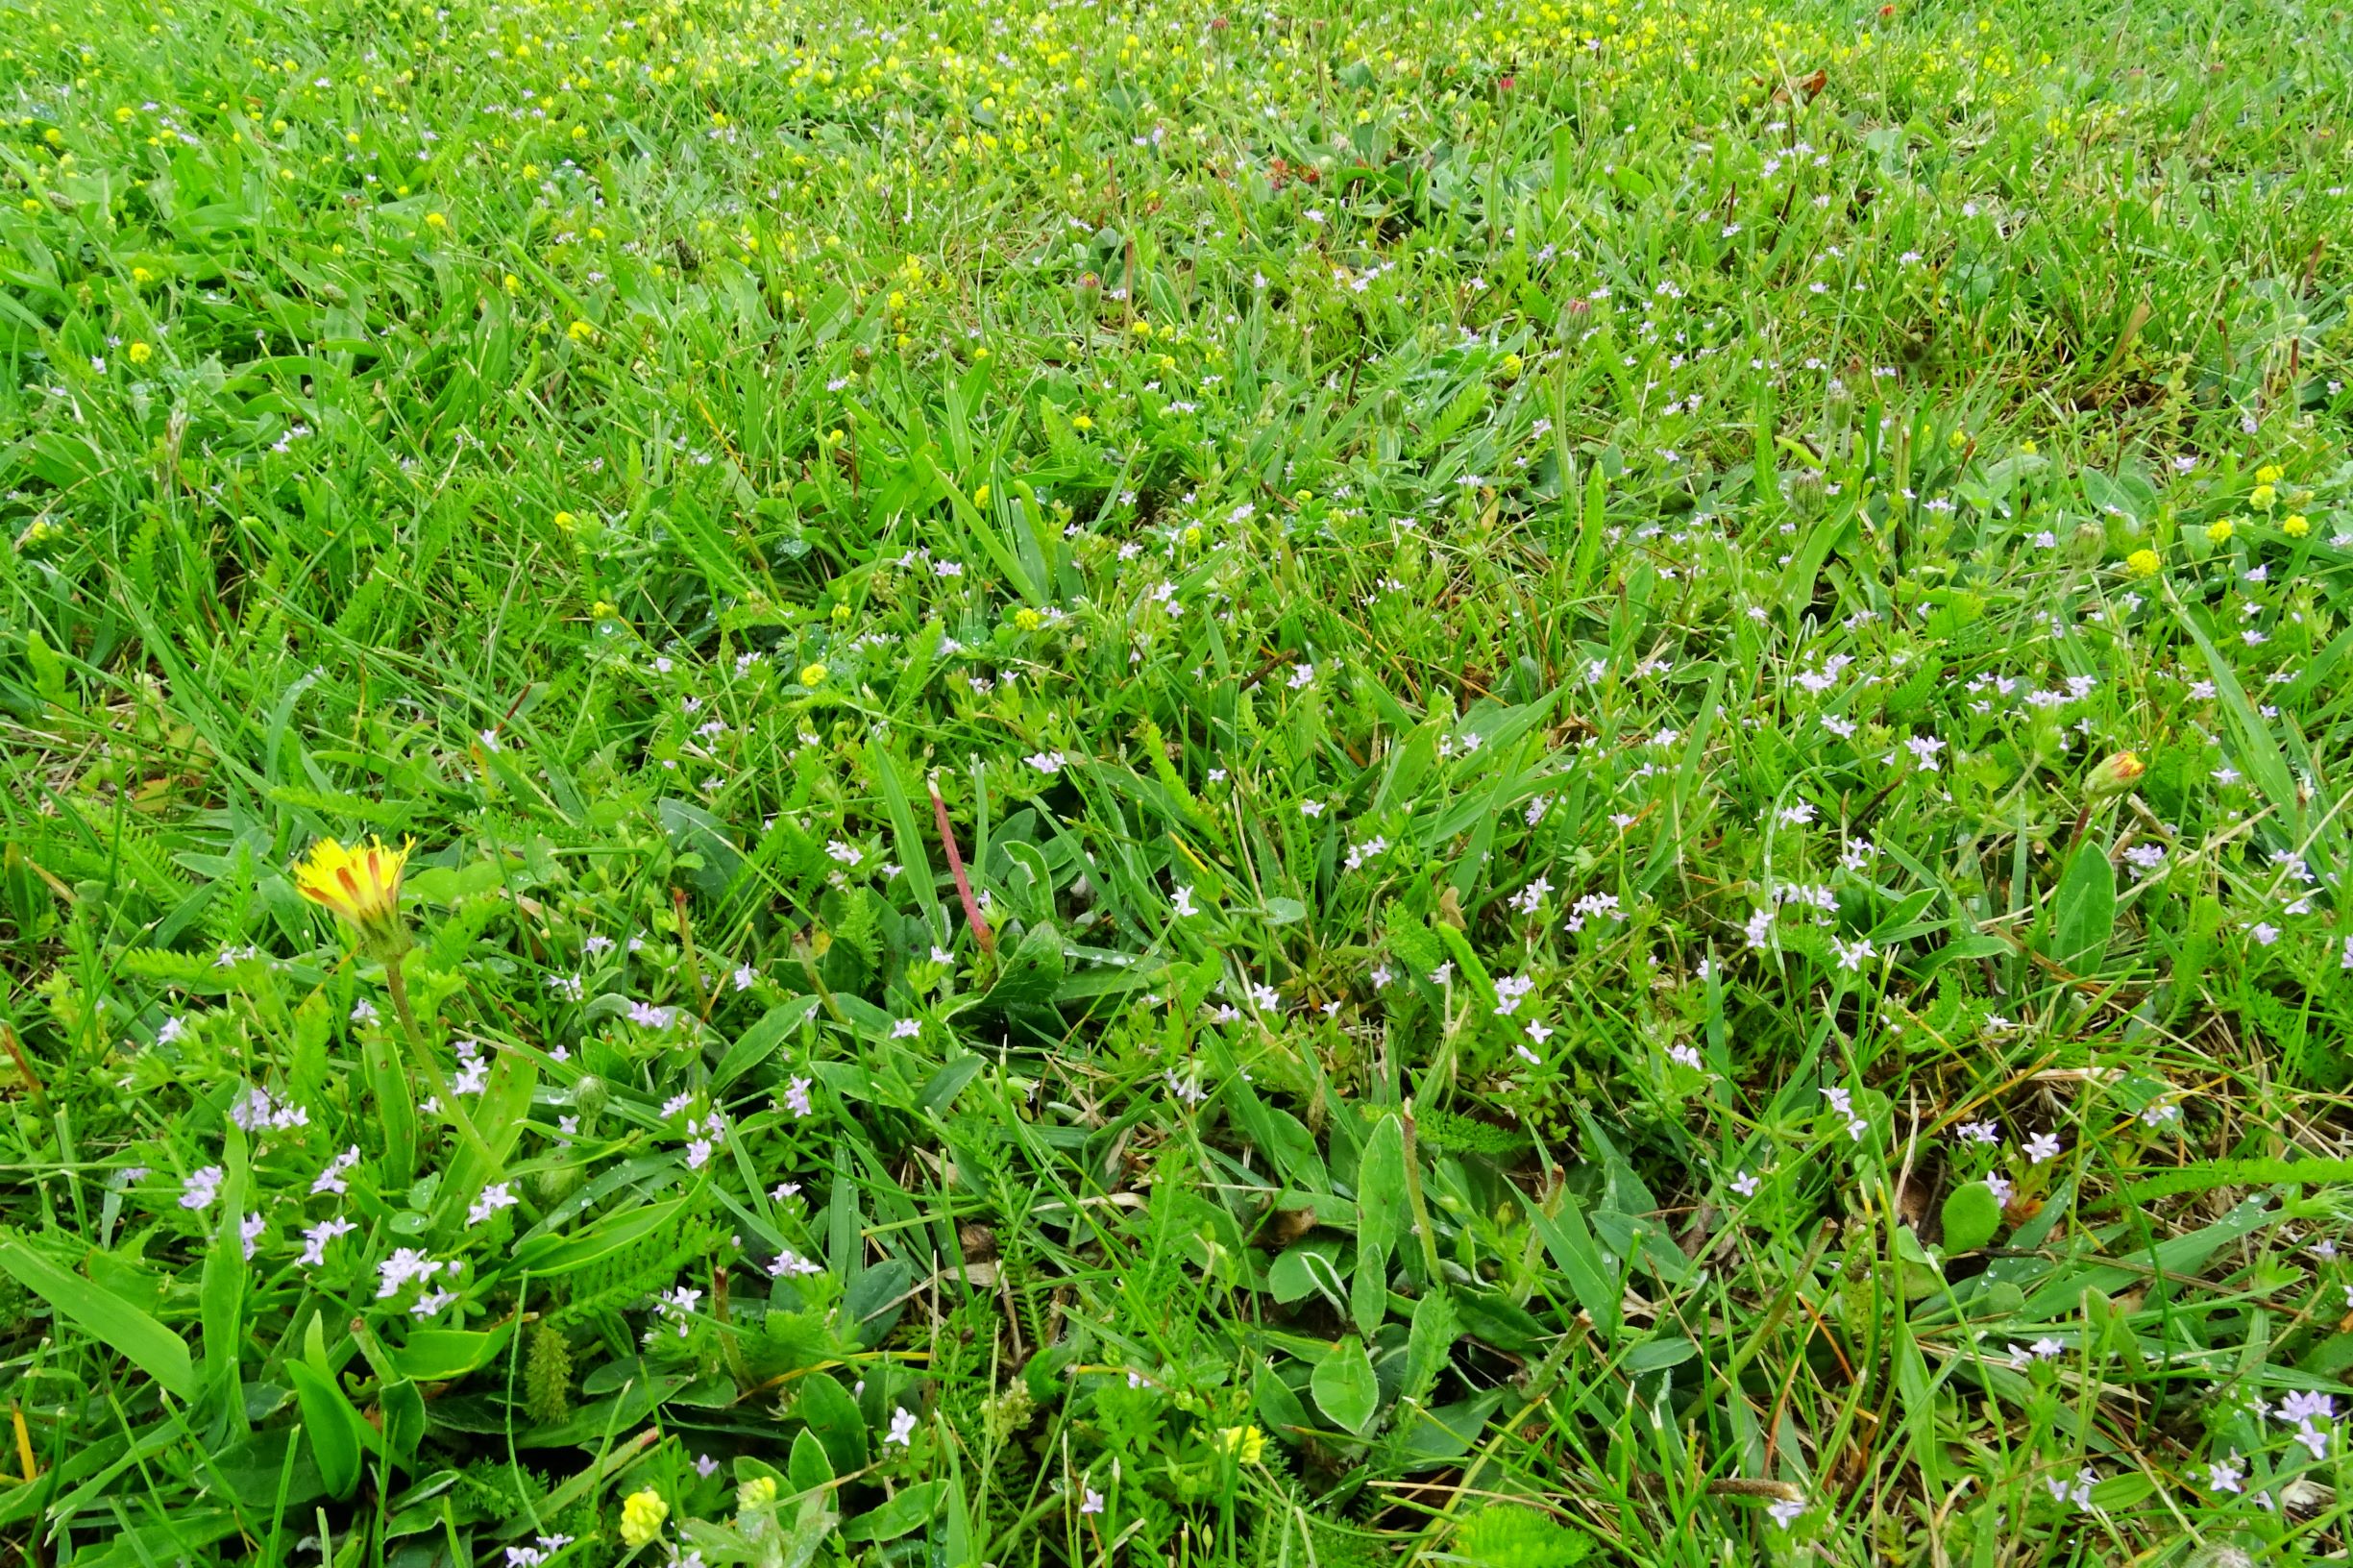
<point x="1551" y="782"/>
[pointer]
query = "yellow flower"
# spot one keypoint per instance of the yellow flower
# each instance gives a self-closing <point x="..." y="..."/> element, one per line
<point x="2294" y="527"/>
<point x="2261" y="496"/>
<point x="2270" y="474"/>
<point x="756" y="1493"/>
<point x="2144" y="563"/>
<point x="141" y="352"/>
<point x="1247" y="1444"/>
<point x="980" y="497"/>
<point x="2221" y="532"/>
<point x="1027" y="619"/>
<point x="841" y="615"/>
<point x="640" y="1517"/>
<point x="812" y="675"/>
<point x="566" y="521"/>
<point x="579" y="332"/>
<point x="362" y="885"/>
<point x="2114" y="775"/>
<point x="1081" y="422"/>
<point x="604" y="609"/>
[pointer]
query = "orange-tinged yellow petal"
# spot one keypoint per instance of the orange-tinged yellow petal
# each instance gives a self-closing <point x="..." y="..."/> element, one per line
<point x="362" y="886"/>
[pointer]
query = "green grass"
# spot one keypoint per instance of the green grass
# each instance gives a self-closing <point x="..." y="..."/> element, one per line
<point x="1512" y="614"/>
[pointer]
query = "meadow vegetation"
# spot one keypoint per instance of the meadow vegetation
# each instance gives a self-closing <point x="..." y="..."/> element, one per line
<point x="1520" y="783"/>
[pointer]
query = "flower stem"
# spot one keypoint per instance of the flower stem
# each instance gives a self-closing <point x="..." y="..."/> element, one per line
<point x="435" y="1079"/>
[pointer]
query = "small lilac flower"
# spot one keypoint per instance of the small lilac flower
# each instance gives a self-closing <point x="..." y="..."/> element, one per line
<point x="202" y="1187"/>
<point x="496" y="1196"/>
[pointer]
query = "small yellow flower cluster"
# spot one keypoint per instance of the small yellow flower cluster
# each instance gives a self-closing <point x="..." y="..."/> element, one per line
<point x="642" y="1514"/>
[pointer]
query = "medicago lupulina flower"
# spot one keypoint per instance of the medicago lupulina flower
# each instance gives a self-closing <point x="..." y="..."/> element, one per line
<point x="361" y="884"/>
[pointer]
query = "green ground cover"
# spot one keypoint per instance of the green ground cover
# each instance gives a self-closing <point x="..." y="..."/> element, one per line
<point x="1512" y="784"/>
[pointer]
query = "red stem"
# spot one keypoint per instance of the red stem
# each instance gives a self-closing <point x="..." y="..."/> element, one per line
<point x="964" y="888"/>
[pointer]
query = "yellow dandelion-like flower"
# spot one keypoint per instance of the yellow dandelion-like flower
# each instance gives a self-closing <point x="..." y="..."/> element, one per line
<point x="2294" y="525"/>
<point x="2221" y="532"/>
<point x="361" y="885"/>
<point x="640" y="1517"/>
<point x="812" y="675"/>
<point x="2144" y="563"/>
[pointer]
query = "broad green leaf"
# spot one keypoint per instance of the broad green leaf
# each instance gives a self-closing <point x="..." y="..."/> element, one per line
<point x="440" y="1354"/>
<point x="2083" y="913"/>
<point x="810" y="1467"/>
<point x="1381" y="1186"/>
<point x="1972" y="1216"/>
<point x="1344" y="1386"/>
<point x="109" y="1319"/>
<point x="1368" y="1291"/>
<point x="758" y="1043"/>
<point x="835" y="1418"/>
<point x="1596" y="1282"/>
<point x="1309" y="1268"/>
<point x="1031" y="973"/>
<point x="1431" y="1343"/>
<point x="338" y="1439"/>
<point x="911" y="1509"/>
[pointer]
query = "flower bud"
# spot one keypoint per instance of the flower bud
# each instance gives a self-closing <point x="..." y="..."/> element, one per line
<point x="2114" y="775"/>
<point x="1806" y="491"/>
<point x="551" y="1185"/>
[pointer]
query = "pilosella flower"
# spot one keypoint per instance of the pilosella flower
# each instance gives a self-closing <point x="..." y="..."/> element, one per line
<point x="362" y="886"/>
